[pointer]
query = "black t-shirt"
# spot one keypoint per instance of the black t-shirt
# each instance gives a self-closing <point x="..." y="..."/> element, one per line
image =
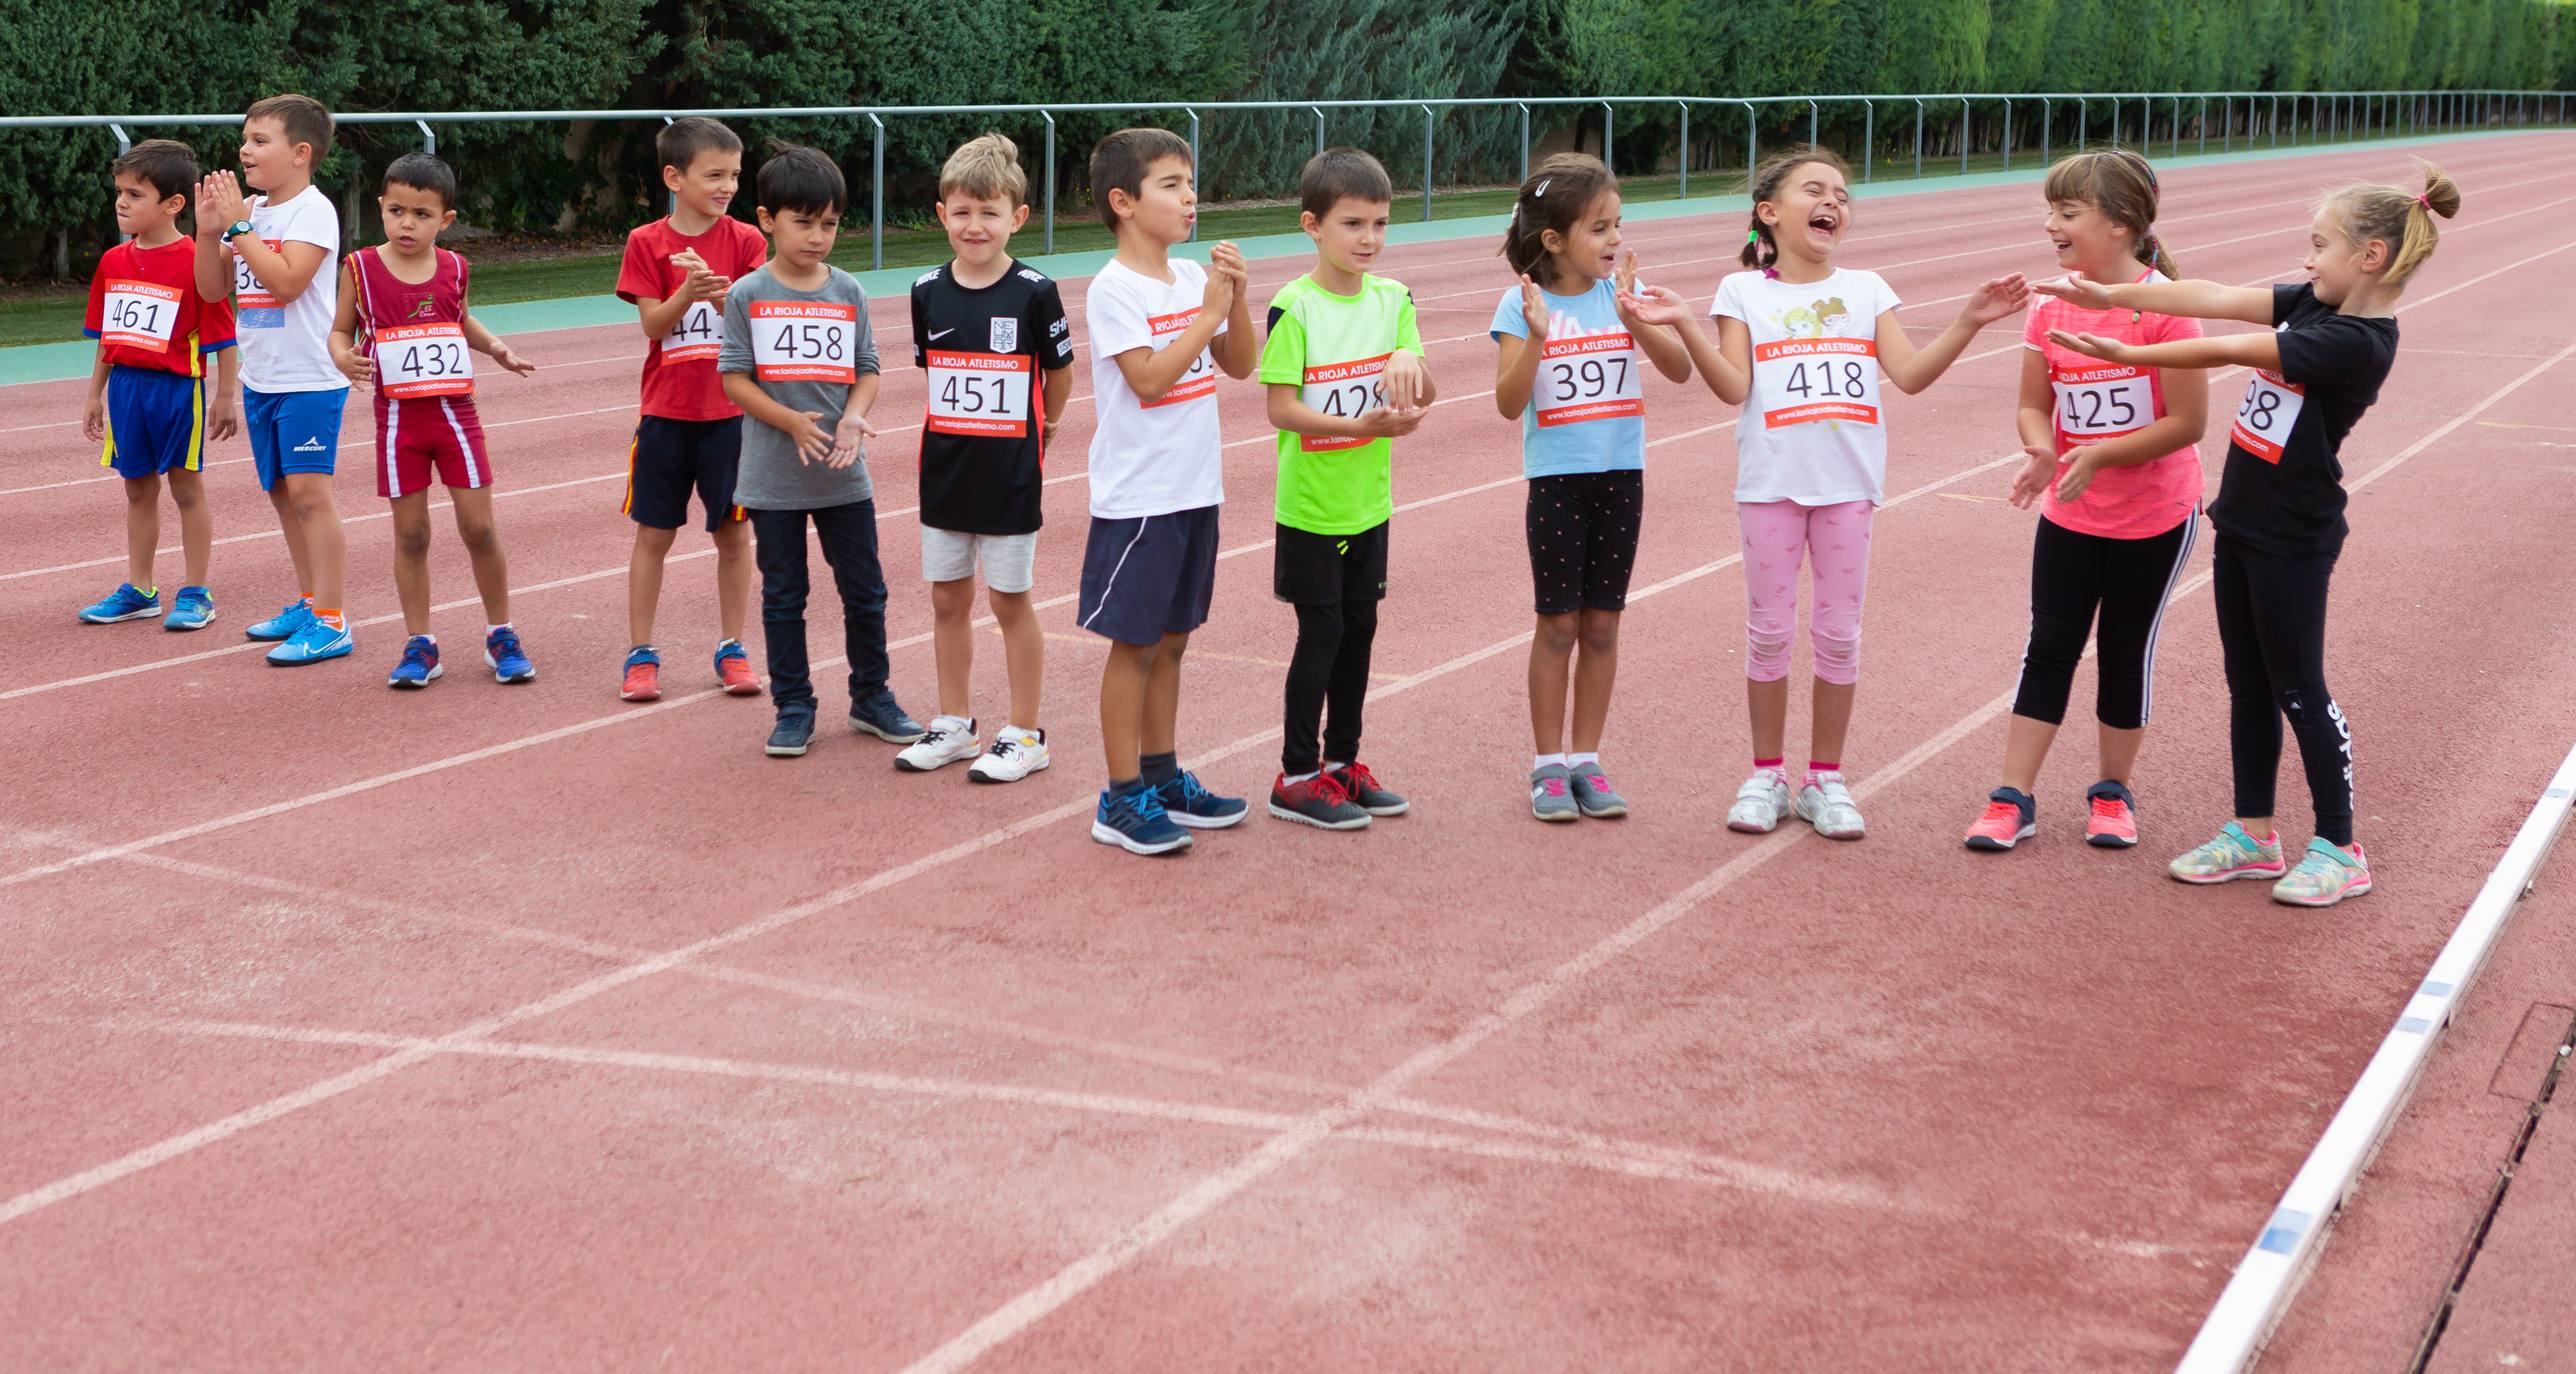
<point x="982" y="441"/>
<point x="2282" y="491"/>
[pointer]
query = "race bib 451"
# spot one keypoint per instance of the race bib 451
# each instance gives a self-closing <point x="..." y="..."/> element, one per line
<point x="979" y="393"/>
<point x="805" y="341"/>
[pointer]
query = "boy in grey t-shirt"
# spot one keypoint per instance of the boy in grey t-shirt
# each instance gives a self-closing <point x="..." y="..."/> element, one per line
<point x="800" y="360"/>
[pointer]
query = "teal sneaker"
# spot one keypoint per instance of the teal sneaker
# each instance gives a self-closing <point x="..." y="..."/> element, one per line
<point x="125" y="603"/>
<point x="284" y="624"/>
<point x="2326" y="875"/>
<point x="2232" y="855"/>
<point x="192" y="611"/>
<point x="312" y="644"/>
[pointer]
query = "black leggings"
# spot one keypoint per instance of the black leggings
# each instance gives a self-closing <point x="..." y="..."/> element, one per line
<point x="2129" y="580"/>
<point x="2272" y="627"/>
<point x="1331" y="662"/>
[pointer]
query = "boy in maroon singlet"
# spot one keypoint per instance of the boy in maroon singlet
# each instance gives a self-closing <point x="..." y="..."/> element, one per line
<point x="403" y="328"/>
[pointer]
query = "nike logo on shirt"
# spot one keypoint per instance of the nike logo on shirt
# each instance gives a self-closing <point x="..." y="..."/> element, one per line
<point x="941" y="333"/>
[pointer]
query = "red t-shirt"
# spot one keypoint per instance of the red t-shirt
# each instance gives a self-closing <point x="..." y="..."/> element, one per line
<point x="680" y="381"/>
<point x="143" y="304"/>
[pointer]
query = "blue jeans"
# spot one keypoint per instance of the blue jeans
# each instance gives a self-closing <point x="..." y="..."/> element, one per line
<point x="848" y="535"/>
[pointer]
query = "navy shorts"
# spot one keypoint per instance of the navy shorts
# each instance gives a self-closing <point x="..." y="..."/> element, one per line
<point x="156" y="422"/>
<point x="672" y="458"/>
<point x="1149" y="577"/>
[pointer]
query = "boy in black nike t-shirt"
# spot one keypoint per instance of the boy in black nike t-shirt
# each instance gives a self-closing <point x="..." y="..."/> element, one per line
<point x="993" y="336"/>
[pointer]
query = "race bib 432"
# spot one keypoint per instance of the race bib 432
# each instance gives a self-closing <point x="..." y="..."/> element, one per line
<point x="417" y="360"/>
<point x="805" y="341"/>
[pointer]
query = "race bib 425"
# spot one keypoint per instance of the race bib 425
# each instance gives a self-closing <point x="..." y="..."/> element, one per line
<point x="805" y="341"/>
<point x="2099" y="401"/>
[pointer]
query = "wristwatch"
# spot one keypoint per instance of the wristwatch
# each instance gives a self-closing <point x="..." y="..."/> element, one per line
<point x="239" y="228"/>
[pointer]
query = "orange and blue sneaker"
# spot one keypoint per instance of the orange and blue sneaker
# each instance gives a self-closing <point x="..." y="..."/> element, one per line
<point x="419" y="666"/>
<point x="192" y="610"/>
<point x="2326" y="874"/>
<point x="125" y="603"/>
<point x="643" y="680"/>
<point x="2114" y="822"/>
<point x="733" y="669"/>
<point x="509" y="662"/>
<point x="2233" y="854"/>
<point x="317" y="641"/>
<point x="2012" y="816"/>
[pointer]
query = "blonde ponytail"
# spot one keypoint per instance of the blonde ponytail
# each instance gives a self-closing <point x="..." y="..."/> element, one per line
<point x="2400" y="218"/>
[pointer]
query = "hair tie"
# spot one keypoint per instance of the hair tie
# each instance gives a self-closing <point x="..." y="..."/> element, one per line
<point x="2425" y="198"/>
<point x="1771" y="274"/>
<point x="1752" y="236"/>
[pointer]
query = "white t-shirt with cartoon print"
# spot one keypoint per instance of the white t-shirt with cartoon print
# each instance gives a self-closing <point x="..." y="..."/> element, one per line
<point x="1813" y="430"/>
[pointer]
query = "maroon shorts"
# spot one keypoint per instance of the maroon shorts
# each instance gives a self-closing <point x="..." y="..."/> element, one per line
<point x="426" y="434"/>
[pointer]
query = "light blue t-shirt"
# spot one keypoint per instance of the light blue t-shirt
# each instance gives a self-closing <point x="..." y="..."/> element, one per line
<point x="1587" y="407"/>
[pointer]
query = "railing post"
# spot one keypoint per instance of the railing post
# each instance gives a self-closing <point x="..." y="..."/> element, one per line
<point x="1811" y="122"/>
<point x="1868" y="137"/>
<point x="1524" y="141"/>
<point x="2047" y="122"/>
<point x="1050" y="180"/>
<point x="1752" y="143"/>
<point x="2202" y="119"/>
<point x="428" y="137"/>
<point x="1918" y="139"/>
<point x="2115" y="121"/>
<point x="2083" y="122"/>
<point x="2272" y="120"/>
<point x="876" y="198"/>
<point x="124" y="144"/>
<point x="1195" y="163"/>
<point x="2177" y="134"/>
<point x="1428" y="118"/>
<point x="1607" y="151"/>
<point x="1319" y="129"/>
<point x="1683" y="192"/>
<point x="2007" y="133"/>
<point x="671" y="201"/>
<point x="1963" y="135"/>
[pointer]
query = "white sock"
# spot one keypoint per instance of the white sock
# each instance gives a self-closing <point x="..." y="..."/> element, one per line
<point x="491" y="630"/>
<point x="1578" y="760"/>
<point x="1303" y="777"/>
<point x="1336" y="765"/>
<point x="1024" y="732"/>
<point x="1543" y="760"/>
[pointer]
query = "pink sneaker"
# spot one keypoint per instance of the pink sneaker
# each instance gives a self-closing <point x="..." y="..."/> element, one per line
<point x="2114" y="822"/>
<point x="2011" y="817"/>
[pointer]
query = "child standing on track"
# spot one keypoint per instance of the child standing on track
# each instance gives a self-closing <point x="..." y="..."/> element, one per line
<point x="1343" y="368"/>
<point x="278" y="252"/>
<point x="2280" y="507"/>
<point x="148" y="409"/>
<point x="1161" y="329"/>
<point x="1568" y="370"/>
<point x="1801" y="345"/>
<point x="689" y="437"/>
<point x="801" y="362"/>
<point x="402" y="327"/>
<point x="2115" y="465"/>
<point x="984" y="327"/>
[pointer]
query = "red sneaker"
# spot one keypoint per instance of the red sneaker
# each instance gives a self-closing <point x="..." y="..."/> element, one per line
<point x="1319" y="801"/>
<point x="2008" y="821"/>
<point x="733" y="669"/>
<point x="2114" y="823"/>
<point x="643" y="677"/>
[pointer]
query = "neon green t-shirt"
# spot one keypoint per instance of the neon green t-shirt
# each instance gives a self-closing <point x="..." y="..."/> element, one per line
<point x="1335" y="349"/>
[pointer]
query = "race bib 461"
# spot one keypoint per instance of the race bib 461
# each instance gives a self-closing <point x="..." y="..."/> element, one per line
<point x="805" y="341"/>
<point x="139" y="314"/>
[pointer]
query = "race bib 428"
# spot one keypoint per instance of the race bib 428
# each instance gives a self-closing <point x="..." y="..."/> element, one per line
<point x="1344" y="391"/>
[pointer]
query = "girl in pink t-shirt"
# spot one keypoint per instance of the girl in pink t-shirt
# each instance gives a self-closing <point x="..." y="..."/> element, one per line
<point x="2115" y="467"/>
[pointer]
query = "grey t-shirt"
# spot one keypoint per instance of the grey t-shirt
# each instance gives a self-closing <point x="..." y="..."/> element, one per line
<point x="805" y="349"/>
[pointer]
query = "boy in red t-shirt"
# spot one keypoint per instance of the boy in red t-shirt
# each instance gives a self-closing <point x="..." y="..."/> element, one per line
<point x="676" y="273"/>
<point x="148" y="405"/>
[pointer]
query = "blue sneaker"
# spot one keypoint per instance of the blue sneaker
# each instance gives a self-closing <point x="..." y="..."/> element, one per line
<point x="312" y="644"/>
<point x="1194" y="806"/>
<point x="794" y="731"/>
<point x="419" y="666"/>
<point x="284" y="624"/>
<point x="125" y="603"/>
<point x="509" y="664"/>
<point x="191" y="611"/>
<point x="1134" y="820"/>
<point x="882" y="717"/>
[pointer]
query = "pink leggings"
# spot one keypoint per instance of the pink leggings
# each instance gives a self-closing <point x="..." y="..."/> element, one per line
<point x="1777" y="537"/>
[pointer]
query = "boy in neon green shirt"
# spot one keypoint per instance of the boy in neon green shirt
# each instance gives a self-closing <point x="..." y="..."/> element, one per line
<point x="1343" y="368"/>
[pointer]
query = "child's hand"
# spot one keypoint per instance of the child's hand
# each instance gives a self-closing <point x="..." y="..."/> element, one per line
<point x="508" y="360"/>
<point x="223" y="418"/>
<point x="1625" y="279"/>
<point x="846" y="439"/>
<point x="1227" y="258"/>
<point x="1387" y="423"/>
<point x="2076" y="290"/>
<point x="1405" y="380"/>
<point x="1996" y="299"/>
<point x="813" y="442"/>
<point x="228" y="202"/>
<point x="358" y="367"/>
<point x="2033" y="477"/>
<point x="210" y="228"/>
<point x="1655" y="305"/>
<point x="2080" y="468"/>
<point x="1219" y="296"/>
<point x="1533" y="309"/>
<point x="702" y="284"/>
<point x="94" y="420"/>
<point x="1051" y="427"/>
<point x="2091" y="345"/>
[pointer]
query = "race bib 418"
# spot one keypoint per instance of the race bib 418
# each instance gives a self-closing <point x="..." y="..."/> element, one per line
<point x="1809" y="381"/>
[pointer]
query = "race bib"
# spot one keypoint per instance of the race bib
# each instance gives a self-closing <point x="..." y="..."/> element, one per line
<point x="979" y="393"/>
<point x="139" y="314"/>
<point x="2271" y="408"/>
<point x="1200" y="380"/>
<point x="1588" y="377"/>
<point x="698" y="337"/>
<point x="250" y="296"/>
<point x="1805" y="381"/>
<point x="2097" y="402"/>
<point x="805" y="341"/>
<point x="1344" y="391"/>
<point x="417" y="360"/>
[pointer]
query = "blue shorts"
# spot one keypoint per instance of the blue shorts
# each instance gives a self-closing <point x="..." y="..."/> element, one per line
<point x="156" y="422"/>
<point x="293" y="431"/>
<point x="1148" y="577"/>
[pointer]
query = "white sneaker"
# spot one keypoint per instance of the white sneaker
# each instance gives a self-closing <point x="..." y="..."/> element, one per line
<point x="949" y="739"/>
<point x="1013" y="756"/>
<point x="1826" y="804"/>
<point x="1759" y="802"/>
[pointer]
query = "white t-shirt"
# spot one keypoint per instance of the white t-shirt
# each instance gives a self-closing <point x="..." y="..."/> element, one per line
<point x="288" y="347"/>
<point x="1168" y="456"/>
<point x="1812" y="431"/>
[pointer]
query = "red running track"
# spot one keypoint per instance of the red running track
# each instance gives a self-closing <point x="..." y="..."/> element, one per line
<point x="522" y="1028"/>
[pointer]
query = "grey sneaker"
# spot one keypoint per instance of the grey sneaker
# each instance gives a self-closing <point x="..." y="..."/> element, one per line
<point x="1593" y="794"/>
<point x="1552" y="794"/>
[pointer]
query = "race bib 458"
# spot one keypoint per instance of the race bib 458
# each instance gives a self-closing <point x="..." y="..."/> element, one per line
<point x="805" y="341"/>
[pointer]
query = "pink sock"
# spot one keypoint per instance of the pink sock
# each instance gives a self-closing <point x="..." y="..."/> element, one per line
<point x="1814" y="767"/>
<point x="1760" y="764"/>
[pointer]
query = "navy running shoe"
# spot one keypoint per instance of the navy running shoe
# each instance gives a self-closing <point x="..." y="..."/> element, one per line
<point x="1194" y="806"/>
<point x="509" y="663"/>
<point x="1134" y="820"/>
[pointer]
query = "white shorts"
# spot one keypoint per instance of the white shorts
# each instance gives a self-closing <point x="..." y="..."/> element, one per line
<point x="1010" y="561"/>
